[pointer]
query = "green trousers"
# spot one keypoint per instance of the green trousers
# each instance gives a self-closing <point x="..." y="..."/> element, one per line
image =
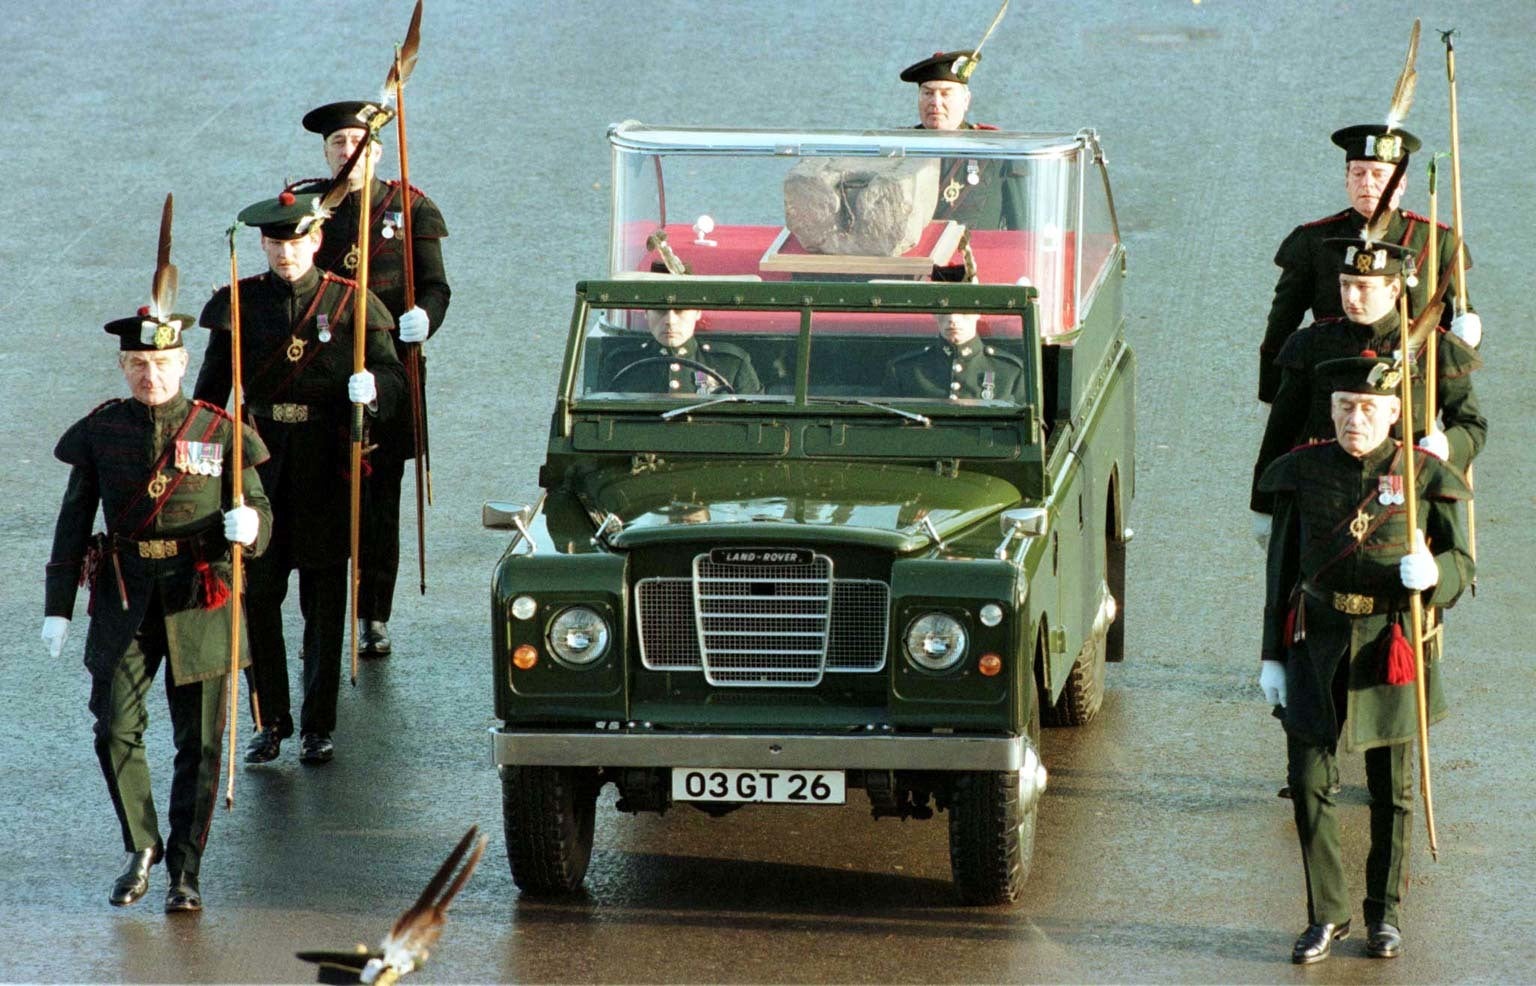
<point x="1388" y="775"/>
<point x="197" y="726"/>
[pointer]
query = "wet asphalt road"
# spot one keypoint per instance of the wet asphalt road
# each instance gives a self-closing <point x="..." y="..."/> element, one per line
<point x="1162" y="852"/>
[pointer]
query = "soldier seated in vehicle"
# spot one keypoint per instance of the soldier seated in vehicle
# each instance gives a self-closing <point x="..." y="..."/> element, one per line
<point x="958" y="366"/>
<point x="673" y="362"/>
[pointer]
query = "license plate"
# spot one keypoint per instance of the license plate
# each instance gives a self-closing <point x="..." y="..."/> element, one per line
<point x="793" y="787"/>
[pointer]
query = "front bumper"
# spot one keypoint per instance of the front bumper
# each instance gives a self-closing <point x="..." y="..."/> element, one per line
<point x="789" y="751"/>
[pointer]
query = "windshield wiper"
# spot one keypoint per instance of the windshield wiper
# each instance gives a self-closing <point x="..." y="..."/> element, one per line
<point x="921" y="419"/>
<point x="727" y="399"/>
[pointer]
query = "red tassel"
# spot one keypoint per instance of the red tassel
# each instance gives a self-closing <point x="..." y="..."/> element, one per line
<point x="1400" y="668"/>
<point x="215" y="591"/>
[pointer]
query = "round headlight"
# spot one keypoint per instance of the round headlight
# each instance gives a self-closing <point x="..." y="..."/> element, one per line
<point x="991" y="615"/>
<point x="578" y="636"/>
<point x="523" y="607"/>
<point x="935" y="642"/>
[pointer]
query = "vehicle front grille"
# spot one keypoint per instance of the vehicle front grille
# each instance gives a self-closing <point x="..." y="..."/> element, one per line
<point x="777" y="625"/>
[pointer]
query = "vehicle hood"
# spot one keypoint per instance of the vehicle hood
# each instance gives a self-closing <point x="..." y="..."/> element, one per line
<point x="877" y="505"/>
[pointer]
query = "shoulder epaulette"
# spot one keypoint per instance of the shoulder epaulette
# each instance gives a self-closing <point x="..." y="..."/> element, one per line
<point x="213" y="408"/>
<point x="326" y="275"/>
<point x="104" y="405"/>
<point x="984" y="126"/>
<point x="1330" y="320"/>
<point x="1423" y="219"/>
<point x="1341" y="214"/>
<point x="1003" y="355"/>
<point x="416" y="193"/>
<point x="1315" y="443"/>
<point x="1424" y="451"/>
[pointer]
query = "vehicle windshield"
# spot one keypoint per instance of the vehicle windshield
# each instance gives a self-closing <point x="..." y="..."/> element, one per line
<point x="702" y="356"/>
<point x="781" y="206"/>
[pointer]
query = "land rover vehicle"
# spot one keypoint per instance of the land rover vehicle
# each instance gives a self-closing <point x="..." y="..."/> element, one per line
<point x="782" y="596"/>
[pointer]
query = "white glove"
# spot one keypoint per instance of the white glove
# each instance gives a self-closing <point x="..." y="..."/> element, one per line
<point x="1261" y="525"/>
<point x="414" y="324"/>
<point x="240" y="525"/>
<point x="55" y="632"/>
<point x="1435" y="444"/>
<point x="361" y="389"/>
<point x="1272" y="681"/>
<point x="1418" y="570"/>
<point x="1468" y="327"/>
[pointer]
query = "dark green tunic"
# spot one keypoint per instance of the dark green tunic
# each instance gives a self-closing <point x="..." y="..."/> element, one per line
<point x="973" y="370"/>
<point x="661" y="373"/>
<point x="1318" y="490"/>
<point x="1309" y="278"/>
<point x="386" y="276"/>
<point x="1301" y="413"/>
<point x="307" y="474"/>
<point x="112" y="453"/>
<point x="979" y="193"/>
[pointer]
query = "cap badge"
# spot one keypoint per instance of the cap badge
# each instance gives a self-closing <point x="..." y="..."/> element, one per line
<point x="1365" y="260"/>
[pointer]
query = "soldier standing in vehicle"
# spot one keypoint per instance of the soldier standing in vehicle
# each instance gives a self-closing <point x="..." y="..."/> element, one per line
<point x="1370" y="280"/>
<point x="673" y="361"/>
<point x="156" y="464"/>
<point x="342" y="126"/>
<point x="1341" y="563"/>
<point x="1307" y="262"/>
<point x="975" y="192"/>
<point x="296" y="348"/>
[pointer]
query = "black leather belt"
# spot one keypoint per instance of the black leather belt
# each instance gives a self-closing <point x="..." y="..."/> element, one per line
<point x="1354" y="603"/>
<point x="285" y="413"/>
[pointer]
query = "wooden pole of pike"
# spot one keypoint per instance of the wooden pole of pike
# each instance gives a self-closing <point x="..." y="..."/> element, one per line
<point x="237" y="499"/>
<point x="1461" y="254"/>
<point x="359" y="348"/>
<point x="415" y="358"/>
<point x="1415" y="604"/>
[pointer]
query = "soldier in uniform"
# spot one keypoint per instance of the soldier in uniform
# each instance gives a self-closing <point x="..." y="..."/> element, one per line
<point x="1307" y="261"/>
<point x="341" y="126"/>
<point x="296" y="350"/>
<point x="159" y="590"/>
<point x="1370" y="281"/>
<point x="1334" y="659"/>
<point x="959" y="365"/>
<point x="676" y="363"/>
<point x="974" y="192"/>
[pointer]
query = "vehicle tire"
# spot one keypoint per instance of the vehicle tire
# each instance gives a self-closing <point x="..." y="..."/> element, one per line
<point x="992" y="833"/>
<point x="548" y="814"/>
<point x="1083" y="694"/>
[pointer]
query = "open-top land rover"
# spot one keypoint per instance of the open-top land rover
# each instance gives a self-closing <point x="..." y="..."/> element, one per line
<point x="784" y="584"/>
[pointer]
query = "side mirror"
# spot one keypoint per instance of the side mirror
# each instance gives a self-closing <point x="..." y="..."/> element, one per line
<point x="1025" y="521"/>
<point x="501" y="515"/>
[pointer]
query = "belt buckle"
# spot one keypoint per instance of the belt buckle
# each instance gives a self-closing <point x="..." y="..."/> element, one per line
<point x="1353" y="603"/>
<point x="290" y="413"/>
<point x="159" y="549"/>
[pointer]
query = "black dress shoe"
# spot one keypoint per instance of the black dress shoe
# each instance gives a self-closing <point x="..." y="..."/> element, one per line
<point x="316" y="748"/>
<point x="373" y="639"/>
<point x="1315" y="943"/>
<point x="183" y="894"/>
<point x="264" y="746"/>
<point x="133" y="882"/>
<point x="1384" y="941"/>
